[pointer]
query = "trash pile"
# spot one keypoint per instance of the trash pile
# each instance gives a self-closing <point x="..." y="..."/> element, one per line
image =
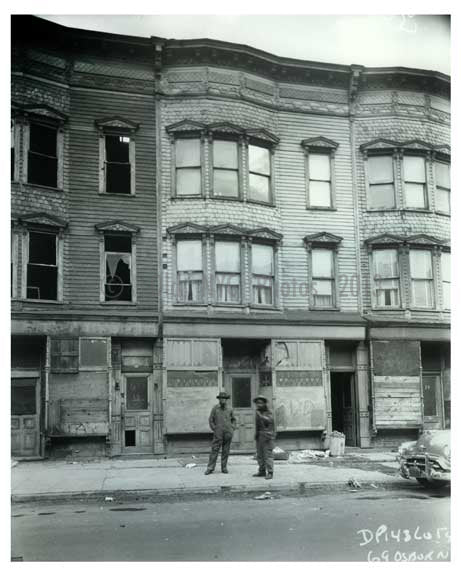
<point x="308" y="455"/>
<point x="265" y="496"/>
<point x="280" y="454"/>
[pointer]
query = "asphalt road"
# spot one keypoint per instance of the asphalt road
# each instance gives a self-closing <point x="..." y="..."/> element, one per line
<point x="386" y="525"/>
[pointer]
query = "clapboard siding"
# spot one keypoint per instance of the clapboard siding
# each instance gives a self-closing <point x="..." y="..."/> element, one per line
<point x="89" y="208"/>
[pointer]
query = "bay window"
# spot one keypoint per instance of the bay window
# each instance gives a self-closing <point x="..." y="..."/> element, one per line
<point x="386" y="278"/>
<point x="188" y="167"/>
<point x="225" y="168"/>
<point x="446" y="279"/>
<point x="227" y="272"/>
<point x="381" y="182"/>
<point x="189" y="266"/>
<point x="443" y="187"/>
<point x="263" y="272"/>
<point x="422" y="280"/>
<point x="259" y="177"/>
<point x="414" y="173"/>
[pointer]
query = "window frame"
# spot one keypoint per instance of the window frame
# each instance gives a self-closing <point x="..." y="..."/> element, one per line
<point x="271" y="187"/>
<point x="325" y="147"/>
<point x="92" y="368"/>
<point x="58" y="265"/>
<point x="446" y="162"/>
<point x="377" y="154"/>
<point x="411" y="279"/>
<point x="174" y="180"/>
<point x="103" y="272"/>
<point x="444" y="282"/>
<point x="404" y="181"/>
<point x="47" y="123"/>
<point x="204" y="294"/>
<point x="374" y="299"/>
<point x="238" y="141"/>
<point x="241" y="274"/>
<point x="273" y="277"/>
<point x="16" y="141"/>
<point x="332" y="279"/>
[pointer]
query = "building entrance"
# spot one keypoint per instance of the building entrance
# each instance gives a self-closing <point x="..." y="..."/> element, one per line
<point x="344" y="405"/>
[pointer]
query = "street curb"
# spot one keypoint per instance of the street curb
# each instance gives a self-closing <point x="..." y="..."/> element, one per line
<point x="301" y="488"/>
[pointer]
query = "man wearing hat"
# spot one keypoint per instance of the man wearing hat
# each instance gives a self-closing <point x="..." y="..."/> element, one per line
<point x="223" y="423"/>
<point x="264" y="438"/>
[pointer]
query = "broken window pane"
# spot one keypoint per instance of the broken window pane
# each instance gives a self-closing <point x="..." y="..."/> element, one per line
<point x="118" y="167"/>
<point x="42" y="271"/>
<point x="118" y="268"/>
<point x="42" y="156"/>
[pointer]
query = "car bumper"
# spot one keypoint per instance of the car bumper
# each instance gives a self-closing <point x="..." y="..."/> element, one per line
<point x="423" y="467"/>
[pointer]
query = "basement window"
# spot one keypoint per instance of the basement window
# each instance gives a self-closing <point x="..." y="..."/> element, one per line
<point x="118" y="279"/>
<point x="42" y="168"/>
<point x="42" y="268"/>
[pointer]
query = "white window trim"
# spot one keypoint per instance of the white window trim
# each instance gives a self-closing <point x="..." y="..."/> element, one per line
<point x="240" y="152"/>
<point x="205" y="292"/>
<point x="437" y="188"/>
<point x="332" y="181"/>
<point x="59" y="151"/>
<point x="433" y="280"/>
<point x="395" y="172"/>
<point x="246" y="154"/>
<point x="102" y="162"/>
<point x="189" y="136"/>
<point x="374" y="301"/>
<point x="59" y="262"/>
<point x="17" y="128"/>
<point x="333" y="279"/>
<point x="275" y="256"/>
<point x="426" y="158"/>
<point x="102" y="270"/>
<point x="241" y="242"/>
<point x="15" y="261"/>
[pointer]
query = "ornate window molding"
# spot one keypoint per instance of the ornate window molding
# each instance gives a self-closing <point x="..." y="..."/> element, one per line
<point x="117" y="155"/>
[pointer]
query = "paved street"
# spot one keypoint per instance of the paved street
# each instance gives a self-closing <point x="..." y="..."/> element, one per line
<point x="394" y="525"/>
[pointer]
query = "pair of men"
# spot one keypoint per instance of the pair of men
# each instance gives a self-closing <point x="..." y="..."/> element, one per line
<point x="222" y="423"/>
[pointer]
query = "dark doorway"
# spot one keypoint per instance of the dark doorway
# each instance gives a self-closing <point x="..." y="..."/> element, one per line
<point x="343" y="405"/>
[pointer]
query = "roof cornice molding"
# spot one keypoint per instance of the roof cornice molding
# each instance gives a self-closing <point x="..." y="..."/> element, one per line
<point x="117" y="226"/>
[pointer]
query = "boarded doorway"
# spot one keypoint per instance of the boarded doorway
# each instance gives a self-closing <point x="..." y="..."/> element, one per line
<point x="343" y="405"/>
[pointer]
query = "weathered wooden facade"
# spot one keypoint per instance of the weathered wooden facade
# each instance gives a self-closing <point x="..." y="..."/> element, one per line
<point x="214" y="217"/>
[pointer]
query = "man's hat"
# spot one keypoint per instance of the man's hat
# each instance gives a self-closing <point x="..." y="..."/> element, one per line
<point x="223" y="395"/>
<point x="263" y="398"/>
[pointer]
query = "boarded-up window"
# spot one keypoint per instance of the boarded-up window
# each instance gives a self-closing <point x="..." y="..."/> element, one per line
<point x="320" y="180"/>
<point x="188" y="167"/>
<point x="23" y="396"/>
<point x="64" y="355"/>
<point x="190" y="270"/>
<point x="93" y="352"/>
<point x="227" y="272"/>
<point x="259" y="163"/>
<point x="381" y="182"/>
<point x="225" y="169"/>
<point x="241" y="392"/>
<point x="396" y="358"/>
<point x="414" y="169"/>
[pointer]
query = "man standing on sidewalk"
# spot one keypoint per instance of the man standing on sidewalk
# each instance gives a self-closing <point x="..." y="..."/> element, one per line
<point x="223" y="423"/>
<point x="264" y="438"/>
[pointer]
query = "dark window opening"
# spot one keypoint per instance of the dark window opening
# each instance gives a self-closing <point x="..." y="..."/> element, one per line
<point x="136" y="393"/>
<point x="118" y="284"/>
<point x="241" y="392"/>
<point x="12" y="152"/>
<point x="23" y="398"/>
<point x="118" y="167"/>
<point x="42" y="269"/>
<point x="43" y="156"/>
<point x="130" y="438"/>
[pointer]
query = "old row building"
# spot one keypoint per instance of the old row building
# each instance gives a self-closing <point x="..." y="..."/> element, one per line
<point x="191" y="216"/>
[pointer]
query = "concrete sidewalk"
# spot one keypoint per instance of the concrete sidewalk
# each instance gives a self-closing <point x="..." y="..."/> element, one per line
<point x="51" y="480"/>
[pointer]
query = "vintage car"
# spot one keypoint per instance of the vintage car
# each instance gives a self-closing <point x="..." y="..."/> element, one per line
<point x="427" y="459"/>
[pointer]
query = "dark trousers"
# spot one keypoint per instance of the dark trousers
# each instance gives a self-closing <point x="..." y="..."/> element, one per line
<point x="220" y="442"/>
<point x="264" y="448"/>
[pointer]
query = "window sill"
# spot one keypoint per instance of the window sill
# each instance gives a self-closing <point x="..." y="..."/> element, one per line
<point x="118" y="303"/>
<point x="226" y="198"/>
<point x="188" y="304"/>
<point x="37" y="300"/>
<point x="43" y="187"/>
<point x="439" y="213"/>
<point x="424" y="310"/>
<point x="383" y="210"/>
<point x="420" y="210"/>
<point x="260" y="203"/>
<point x="227" y="305"/>
<point x="117" y="194"/>
<point x="326" y="208"/>
<point x="191" y="197"/>
<point x="319" y="309"/>
<point x="391" y="308"/>
<point x="264" y="307"/>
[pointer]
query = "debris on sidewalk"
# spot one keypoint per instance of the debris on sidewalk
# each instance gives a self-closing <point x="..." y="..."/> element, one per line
<point x="14" y="463"/>
<point x="353" y="483"/>
<point x="265" y="496"/>
<point x="306" y="455"/>
<point x="373" y="485"/>
<point x="190" y="465"/>
<point x="108" y="499"/>
<point x="280" y="454"/>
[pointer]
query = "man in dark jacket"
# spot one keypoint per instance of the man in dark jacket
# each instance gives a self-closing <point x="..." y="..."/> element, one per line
<point x="223" y="423"/>
<point x="264" y="436"/>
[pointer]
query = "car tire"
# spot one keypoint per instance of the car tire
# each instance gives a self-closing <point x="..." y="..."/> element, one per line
<point x="432" y="483"/>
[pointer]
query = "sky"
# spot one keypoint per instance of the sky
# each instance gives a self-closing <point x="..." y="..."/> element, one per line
<point x="414" y="41"/>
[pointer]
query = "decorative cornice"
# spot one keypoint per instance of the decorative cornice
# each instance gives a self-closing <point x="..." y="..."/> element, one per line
<point x="42" y="112"/>
<point x="116" y="226"/>
<point x="227" y="230"/>
<point x="416" y="145"/>
<point x="116" y="123"/>
<point x="187" y="228"/>
<point x="322" y="238"/>
<point x="225" y="128"/>
<point x="424" y="240"/>
<point x="385" y="240"/>
<point x="319" y="142"/>
<point x="42" y="219"/>
<point x="193" y="127"/>
<point x="186" y="126"/>
<point x="263" y="135"/>
<point x="265" y="234"/>
<point x="398" y="240"/>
